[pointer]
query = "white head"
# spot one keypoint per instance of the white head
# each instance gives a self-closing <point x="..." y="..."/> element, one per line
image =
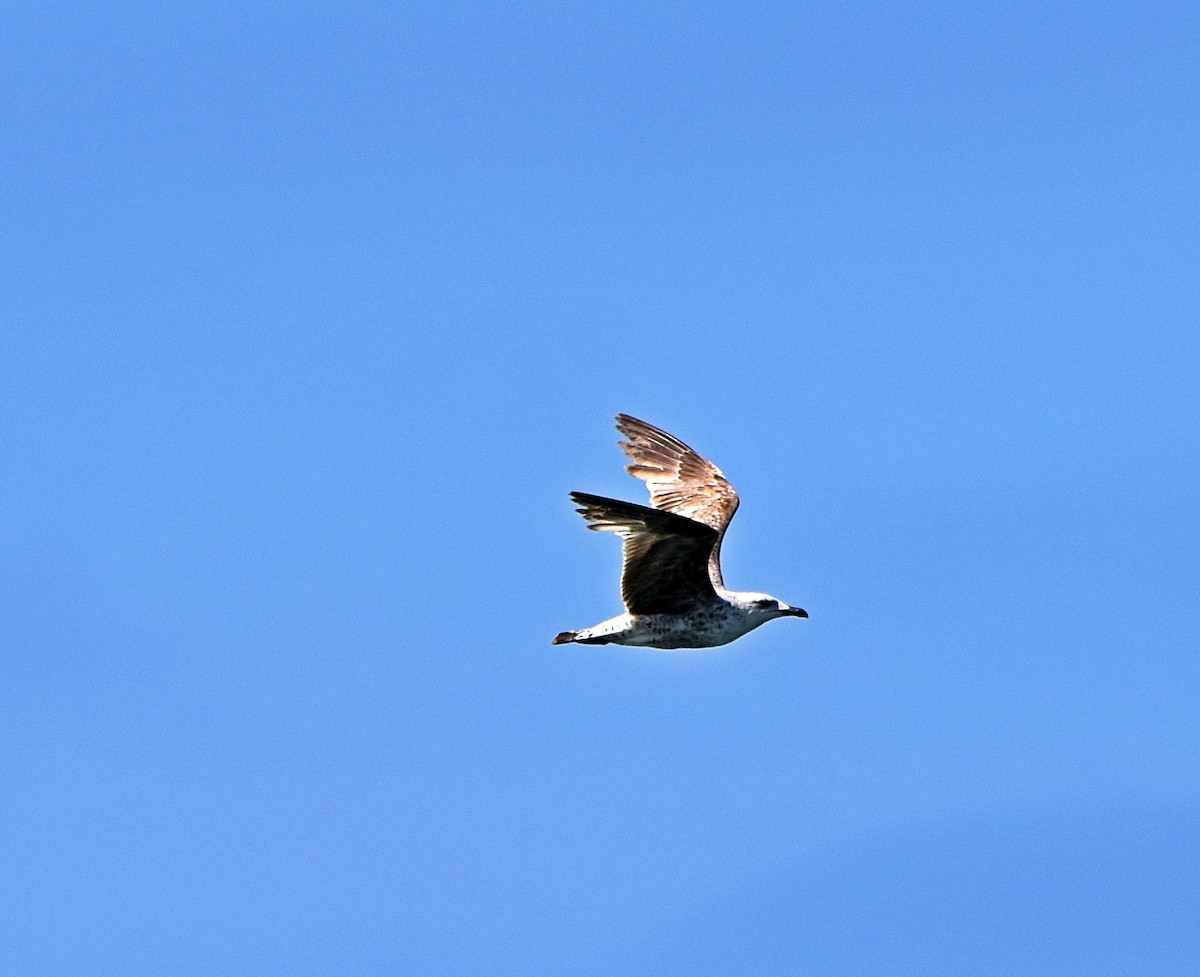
<point x="764" y="607"/>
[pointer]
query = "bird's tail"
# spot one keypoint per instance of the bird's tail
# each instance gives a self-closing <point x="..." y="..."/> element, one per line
<point x="566" y="637"/>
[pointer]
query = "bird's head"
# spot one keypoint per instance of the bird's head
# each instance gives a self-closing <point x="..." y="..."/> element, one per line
<point x="768" y="607"/>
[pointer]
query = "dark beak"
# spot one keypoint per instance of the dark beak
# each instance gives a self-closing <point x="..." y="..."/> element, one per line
<point x="795" y="612"/>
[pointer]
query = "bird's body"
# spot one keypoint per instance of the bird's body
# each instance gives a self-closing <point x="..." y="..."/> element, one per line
<point x="671" y="579"/>
<point x="718" y="624"/>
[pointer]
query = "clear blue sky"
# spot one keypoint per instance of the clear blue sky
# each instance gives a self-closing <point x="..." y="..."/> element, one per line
<point x="313" y="314"/>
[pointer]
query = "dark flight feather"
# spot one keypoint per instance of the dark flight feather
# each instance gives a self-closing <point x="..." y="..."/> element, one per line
<point x="666" y="556"/>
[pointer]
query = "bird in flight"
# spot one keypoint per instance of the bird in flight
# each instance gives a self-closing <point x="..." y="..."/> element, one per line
<point x="671" y="578"/>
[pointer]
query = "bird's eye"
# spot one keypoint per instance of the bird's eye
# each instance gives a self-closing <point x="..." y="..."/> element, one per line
<point x="764" y="603"/>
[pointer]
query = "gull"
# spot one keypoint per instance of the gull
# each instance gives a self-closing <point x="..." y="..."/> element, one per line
<point x="671" y="578"/>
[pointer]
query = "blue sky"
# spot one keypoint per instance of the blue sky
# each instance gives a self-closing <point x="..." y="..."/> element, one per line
<point x="314" y="314"/>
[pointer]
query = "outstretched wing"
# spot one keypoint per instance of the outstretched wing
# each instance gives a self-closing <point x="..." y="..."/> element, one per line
<point x="666" y="555"/>
<point x="680" y="481"/>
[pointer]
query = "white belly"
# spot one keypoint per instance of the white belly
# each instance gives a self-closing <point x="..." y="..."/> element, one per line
<point x="716" y="627"/>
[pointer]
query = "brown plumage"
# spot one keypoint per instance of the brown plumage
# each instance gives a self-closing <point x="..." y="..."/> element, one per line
<point x="679" y="480"/>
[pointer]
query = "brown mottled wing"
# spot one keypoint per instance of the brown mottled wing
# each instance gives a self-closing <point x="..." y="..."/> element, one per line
<point x="666" y="556"/>
<point x="679" y="480"/>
